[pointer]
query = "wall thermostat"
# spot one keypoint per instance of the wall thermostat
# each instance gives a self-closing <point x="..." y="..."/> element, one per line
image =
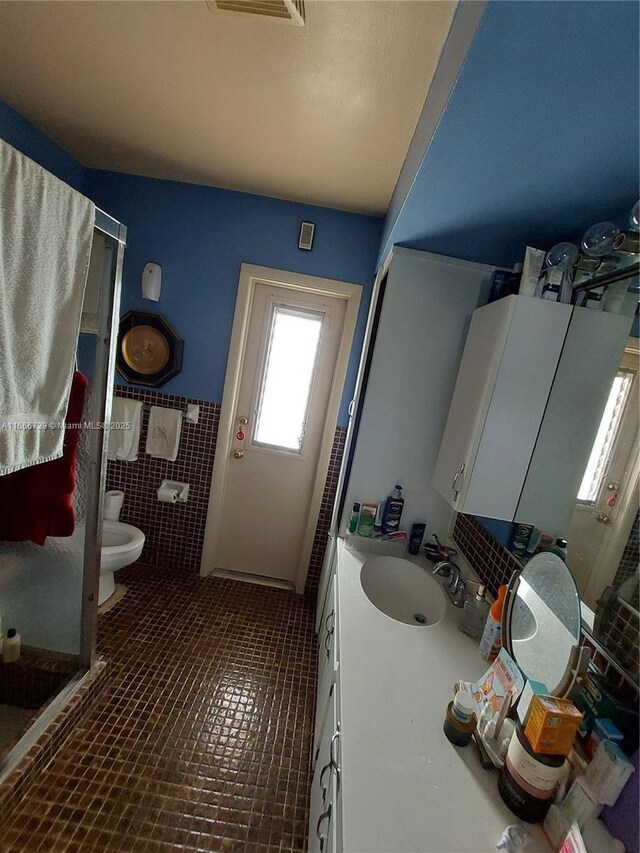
<point x="307" y="230"/>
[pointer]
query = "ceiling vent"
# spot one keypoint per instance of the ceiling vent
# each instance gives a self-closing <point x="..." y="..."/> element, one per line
<point x="287" y="11"/>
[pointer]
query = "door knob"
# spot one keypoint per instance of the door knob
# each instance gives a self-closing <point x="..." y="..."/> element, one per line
<point x="238" y="453"/>
<point x="603" y="518"/>
<point x="243" y="420"/>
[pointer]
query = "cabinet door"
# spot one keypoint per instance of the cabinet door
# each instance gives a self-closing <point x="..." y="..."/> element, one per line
<point x="471" y="398"/>
<point x="324" y="809"/>
<point x="327" y="572"/>
<point x="327" y="662"/>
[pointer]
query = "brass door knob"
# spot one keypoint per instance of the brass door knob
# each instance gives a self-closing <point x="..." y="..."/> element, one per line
<point x="603" y="518"/>
<point x="243" y="420"/>
<point x="238" y="453"/>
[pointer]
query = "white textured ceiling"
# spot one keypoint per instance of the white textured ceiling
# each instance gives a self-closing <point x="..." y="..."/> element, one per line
<point x="322" y="114"/>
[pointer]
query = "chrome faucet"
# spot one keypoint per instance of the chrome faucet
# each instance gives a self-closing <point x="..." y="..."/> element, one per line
<point x="456" y="587"/>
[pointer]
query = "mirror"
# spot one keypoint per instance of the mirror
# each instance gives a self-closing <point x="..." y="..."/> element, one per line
<point x="542" y="620"/>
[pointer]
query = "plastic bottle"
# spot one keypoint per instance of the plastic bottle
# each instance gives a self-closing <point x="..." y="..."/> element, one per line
<point x="393" y="511"/>
<point x="560" y="548"/>
<point x="491" y="641"/>
<point x="11" y="646"/>
<point x="475" y="614"/>
<point x="353" y="519"/>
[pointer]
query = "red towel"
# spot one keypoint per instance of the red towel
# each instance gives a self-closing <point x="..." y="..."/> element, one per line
<point x="35" y="502"/>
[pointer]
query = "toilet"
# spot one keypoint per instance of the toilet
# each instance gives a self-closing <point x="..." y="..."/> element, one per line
<point x="121" y="544"/>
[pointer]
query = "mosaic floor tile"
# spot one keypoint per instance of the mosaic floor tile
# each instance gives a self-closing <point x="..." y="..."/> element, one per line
<point x="202" y="740"/>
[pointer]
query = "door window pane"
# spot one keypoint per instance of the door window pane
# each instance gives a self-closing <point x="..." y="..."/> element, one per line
<point x="598" y="465"/>
<point x="287" y="377"/>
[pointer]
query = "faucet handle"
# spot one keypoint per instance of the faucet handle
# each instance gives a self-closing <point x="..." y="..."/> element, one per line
<point x="442" y="568"/>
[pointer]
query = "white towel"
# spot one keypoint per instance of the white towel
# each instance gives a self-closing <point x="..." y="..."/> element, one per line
<point x="46" y="231"/>
<point x="163" y="434"/>
<point x="123" y="443"/>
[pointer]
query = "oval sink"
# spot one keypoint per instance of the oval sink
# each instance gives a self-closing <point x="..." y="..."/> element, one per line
<point x="403" y="590"/>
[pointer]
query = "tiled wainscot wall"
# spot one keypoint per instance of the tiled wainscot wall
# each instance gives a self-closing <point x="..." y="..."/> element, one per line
<point x="175" y="532"/>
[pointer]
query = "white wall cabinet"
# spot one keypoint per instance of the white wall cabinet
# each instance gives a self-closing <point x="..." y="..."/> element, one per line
<point x="420" y="314"/>
<point x="532" y="385"/>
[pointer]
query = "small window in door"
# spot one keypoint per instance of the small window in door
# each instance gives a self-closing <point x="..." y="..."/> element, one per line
<point x="293" y="341"/>
<point x="603" y="447"/>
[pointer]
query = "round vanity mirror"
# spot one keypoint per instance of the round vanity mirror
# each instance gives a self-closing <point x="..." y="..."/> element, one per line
<point x="541" y="628"/>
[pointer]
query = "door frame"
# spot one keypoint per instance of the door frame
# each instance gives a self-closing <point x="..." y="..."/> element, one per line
<point x="252" y="275"/>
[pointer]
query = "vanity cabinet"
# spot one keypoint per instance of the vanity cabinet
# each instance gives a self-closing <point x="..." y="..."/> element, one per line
<point x="325" y="805"/>
<point x="532" y="385"/>
<point x="327" y="659"/>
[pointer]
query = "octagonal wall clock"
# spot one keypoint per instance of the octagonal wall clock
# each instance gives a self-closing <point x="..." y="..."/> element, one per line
<point x="149" y="349"/>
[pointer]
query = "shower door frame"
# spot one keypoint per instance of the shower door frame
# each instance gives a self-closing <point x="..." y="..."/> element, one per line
<point x="104" y="374"/>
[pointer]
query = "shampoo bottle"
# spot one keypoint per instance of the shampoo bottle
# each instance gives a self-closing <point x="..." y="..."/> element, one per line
<point x="393" y="511"/>
<point x="491" y="641"/>
<point x="353" y="518"/>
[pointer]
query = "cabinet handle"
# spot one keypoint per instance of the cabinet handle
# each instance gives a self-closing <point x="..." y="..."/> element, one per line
<point x="327" y="641"/>
<point x="459" y="473"/>
<point x="323" y="787"/>
<point x="332" y="615"/>
<point x="333" y="761"/>
<point x="326" y="815"/>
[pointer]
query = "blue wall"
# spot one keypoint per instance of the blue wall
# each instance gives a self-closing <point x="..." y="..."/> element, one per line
<point x="539" y="139"/>
<point x="20" y="133"/>
<point x="200" y="236"/>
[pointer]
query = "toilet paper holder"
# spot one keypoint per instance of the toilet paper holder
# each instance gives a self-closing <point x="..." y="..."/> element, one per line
<point x="171" y="491"/>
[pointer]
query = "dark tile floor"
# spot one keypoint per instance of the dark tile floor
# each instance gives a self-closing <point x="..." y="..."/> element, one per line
<point x="202" y="740"/>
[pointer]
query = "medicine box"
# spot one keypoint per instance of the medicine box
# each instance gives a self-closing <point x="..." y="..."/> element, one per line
<point x="552" y="725"/>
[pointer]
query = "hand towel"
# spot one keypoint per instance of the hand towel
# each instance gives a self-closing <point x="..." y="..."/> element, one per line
<point x="46" y="231"/>
<point x="35" y="502"/>
<point x="163" y="434"/>
<point x="123" y="443"/>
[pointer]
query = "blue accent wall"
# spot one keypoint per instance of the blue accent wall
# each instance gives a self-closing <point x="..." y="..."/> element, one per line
<point x="24" y="136"/>
<point x="200" y="236"/>
<point x="539" y="138"/>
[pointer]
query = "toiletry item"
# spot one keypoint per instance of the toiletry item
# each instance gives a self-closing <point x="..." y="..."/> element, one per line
<point x="597" y="699"/>
<point x="604" y="729"/>
<point x="11" y="646"/>
<point x="552" y="725"/>
<point x="366" y="519"/>
<point x="377" y="524"/>
<point x="531" y="689"/>
<point x="458" y="730"/>
<point x="393" y="510"/>
<point x="581" y="804"/>
<point x="515" y="837"/>
<point x="474" y="614"/>
<point x="353" y="518"/>
<point x="608" y="772"/>
<point x="534" y="541"/>
<point x="415" y="537"/>
<point x="520" y="536"/>
<point x="503" y="283"/>
<point x="528" y="780"/>
<point x="531" y="269"/>
<point x="560" y="548"/>
<point x="491" y="641"/>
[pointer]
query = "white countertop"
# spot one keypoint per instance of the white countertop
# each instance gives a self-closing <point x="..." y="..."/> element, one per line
<point x="404" y="786"/>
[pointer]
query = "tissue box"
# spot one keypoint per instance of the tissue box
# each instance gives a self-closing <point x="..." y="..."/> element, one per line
<point x="531" y="689"/>
<point x="552" y="725"/>
<point x="608" y="772"/>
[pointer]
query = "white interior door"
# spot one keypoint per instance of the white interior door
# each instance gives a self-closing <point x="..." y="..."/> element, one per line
<point x="288" y="370"/>
<point x="608" y="500"/>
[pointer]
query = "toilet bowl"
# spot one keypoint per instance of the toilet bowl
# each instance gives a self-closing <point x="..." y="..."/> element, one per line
<point x="121" y="545"/>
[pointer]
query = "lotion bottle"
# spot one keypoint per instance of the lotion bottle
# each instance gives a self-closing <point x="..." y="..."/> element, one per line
<point x="491" y="641"/>
<point x="393" y="511"/>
